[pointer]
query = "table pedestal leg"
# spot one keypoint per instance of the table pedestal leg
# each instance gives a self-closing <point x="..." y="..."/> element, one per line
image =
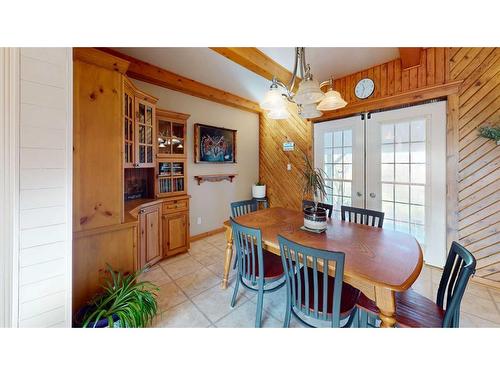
<point x="386" y="303"/>
<point x="229" y="255"/>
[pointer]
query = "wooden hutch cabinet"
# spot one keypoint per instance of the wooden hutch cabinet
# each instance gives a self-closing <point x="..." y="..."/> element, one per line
<point x="171" y="153"/>
<point x="139" y="123"/>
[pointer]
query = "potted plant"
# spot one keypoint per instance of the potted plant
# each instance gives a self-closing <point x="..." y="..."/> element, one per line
<point x="490" y="132"/>
<point x="124" y="302"/>
<point x="315" y="187"/>
<point x="259" y="190"/>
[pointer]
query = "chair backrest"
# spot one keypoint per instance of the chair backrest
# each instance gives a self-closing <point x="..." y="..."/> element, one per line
<point x="265" y="202"/>
<point x="326" y="206"/>
<point x="303" y="266"/>
<point x="248" y="244"/>
<point x="460" y="266"/>
<point x="243" y="207"/>
<point x="362" y="216"/>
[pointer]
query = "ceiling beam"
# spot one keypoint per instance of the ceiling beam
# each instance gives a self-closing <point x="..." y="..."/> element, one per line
<point x="256" y="61"/>
<point x="410" y="57"/>
<point x="155" y="75"/>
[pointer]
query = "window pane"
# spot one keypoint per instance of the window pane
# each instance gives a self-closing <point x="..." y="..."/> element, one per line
<point x="337" y="139"/>
<point x="418" y="130"/>
<point x="419" y="232"/>
<point x="387" y="192"/>
<point x="402" y="153"/>
<point x="337" y="171"/>
<point x="337" y="155"/>
<point x="337" y="202"/>
<point x="348" y="171"/>
<point x="402" y="132"/>
<point x="417" y="214"/>
<point x="387" y="133"/>
<point x="402" y="227"/>
<point x="347" y="154"/>
<point x="328" y="155"/>
<point x="328" y="138"/>
<point x="347" y="202"/>
<point x="347" y="189"/>
<point x="387" y="172"/>
<point x="337" y="188"/>
<point x="418" y="173"/>
<point x="328" y="170"/>
<point x="348" y="137"/>
<point x="417" y="194"/>
<point x="389" y="224"/>
<point x="402" y="193"/>
<point x="402" y="212"/>
<point x="388" y="209"/>
<point x="402" y="173"/>
<point x="418" y="152"/>
<point x="387" y="153"/>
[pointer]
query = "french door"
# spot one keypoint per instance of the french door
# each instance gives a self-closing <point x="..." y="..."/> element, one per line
<point x="392" y="161"/>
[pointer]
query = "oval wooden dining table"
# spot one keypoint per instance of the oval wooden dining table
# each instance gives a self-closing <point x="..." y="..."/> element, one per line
<point x="378" y="261"/>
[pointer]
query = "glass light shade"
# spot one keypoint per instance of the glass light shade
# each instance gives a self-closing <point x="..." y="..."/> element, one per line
<point x="308" y="92"/>
<point x="278" y="114"/>
<point x="309" y="111"/>
<point x="273" y="100"/>
<point x="332" y="100"/>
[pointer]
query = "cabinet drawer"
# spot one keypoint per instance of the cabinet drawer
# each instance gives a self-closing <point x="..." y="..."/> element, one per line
<point x="175" y="206"/>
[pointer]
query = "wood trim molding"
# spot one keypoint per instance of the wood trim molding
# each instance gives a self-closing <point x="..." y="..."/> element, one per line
<point x="200" y="236"/>
<point x="172" y="114"/>
<point x="155" y="75"/>
<point x="99" y="58"/>
<point x="9" y="188"/>
<point x="452" y="156"/>
<point x="410" y="57"/>
<point x="256" y="61"/>
<point x="410" y="97"/>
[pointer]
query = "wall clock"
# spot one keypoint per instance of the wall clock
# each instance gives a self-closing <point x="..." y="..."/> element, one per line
<point x="364" y="88"/>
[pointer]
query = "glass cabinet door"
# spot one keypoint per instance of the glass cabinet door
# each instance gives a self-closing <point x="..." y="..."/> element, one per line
<point x="128" y="123"/>
<point x="164" y="137"/>
<point x="144" y="119"/>
<point x="178" y="138"/>
<point x="171" y="178"/>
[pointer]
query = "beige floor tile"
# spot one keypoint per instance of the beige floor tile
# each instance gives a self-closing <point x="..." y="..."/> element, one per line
<point x="480" y="307"/>
<point x="169" y="296"/>
<point x="436" y="274"/>
<point x="197" y="282"/>
<point x="156" y="275"/>
<point x="275" y="303"/>
<point x="425" y="274"/>
<point x="471" y="321"/>
<point x="182" y="267"/>
<point x="220" y="242"/>
<point x="174" y="259"/>
<point x="215" y="302"/>
<point x="218" y="269"/>
<point x="495" y="293"/>
<point x="198" y="245"/>
<point x="208" y="255"/>
<point x="217" y="238"/>
<point x="478" y="290"/>
<point x="243" y="316"/>
<point x="184" y="315"/>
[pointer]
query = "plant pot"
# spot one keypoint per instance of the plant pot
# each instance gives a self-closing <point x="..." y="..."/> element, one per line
<point x="259" y="191"/>
<point x="315" y="218"/>
<point x="102" y="323"/>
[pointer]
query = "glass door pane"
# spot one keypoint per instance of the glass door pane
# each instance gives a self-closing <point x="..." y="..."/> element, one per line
<point x="145" y="136"/>
<point x="164" y="137"/>
<point x="178" y="138"/>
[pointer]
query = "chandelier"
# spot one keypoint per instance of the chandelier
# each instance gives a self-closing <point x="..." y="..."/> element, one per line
<point x="309" y="98"/>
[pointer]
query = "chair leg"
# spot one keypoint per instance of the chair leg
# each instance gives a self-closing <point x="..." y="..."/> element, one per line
<point x="235" y="293"/>
<point x="260" y="302"/>
<point x="288" y="312"/>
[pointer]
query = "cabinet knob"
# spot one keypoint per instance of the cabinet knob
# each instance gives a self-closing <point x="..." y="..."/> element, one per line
<point x="141" y="211"/>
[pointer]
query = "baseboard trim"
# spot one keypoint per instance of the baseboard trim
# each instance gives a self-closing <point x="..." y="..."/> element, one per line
<point x="206" y="234"/>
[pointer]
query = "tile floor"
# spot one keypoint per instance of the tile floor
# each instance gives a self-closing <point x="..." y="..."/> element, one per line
<point x="190" y="293"/>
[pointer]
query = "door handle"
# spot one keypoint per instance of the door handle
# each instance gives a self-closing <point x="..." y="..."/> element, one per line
<point x="359" y="194"/>
<point x="372" y="195"/>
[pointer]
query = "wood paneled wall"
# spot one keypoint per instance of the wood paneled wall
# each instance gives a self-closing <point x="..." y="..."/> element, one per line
<point x="473" y="182"/>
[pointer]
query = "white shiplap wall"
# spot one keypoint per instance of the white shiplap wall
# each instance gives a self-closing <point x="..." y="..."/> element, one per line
<point x="45" y="161"/>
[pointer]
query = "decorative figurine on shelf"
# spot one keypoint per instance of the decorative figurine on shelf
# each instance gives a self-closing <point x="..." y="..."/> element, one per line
<point x="490" y="132"/>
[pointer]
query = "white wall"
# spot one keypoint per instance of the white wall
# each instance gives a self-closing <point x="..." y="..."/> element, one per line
<point x="45" y="200"/>
<point x="210" y="200"/>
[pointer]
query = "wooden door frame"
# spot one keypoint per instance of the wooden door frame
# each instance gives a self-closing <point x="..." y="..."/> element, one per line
<point x="9" y="185"/>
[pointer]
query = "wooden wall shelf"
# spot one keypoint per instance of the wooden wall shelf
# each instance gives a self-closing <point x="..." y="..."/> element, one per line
<point x="215" y="177"/>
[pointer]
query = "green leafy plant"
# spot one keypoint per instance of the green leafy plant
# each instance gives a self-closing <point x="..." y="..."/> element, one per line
<point x="314" y="181"/>
<point x="259" y="183"/>
<point x="123" y="297"/>
<point x="491" y="132"/>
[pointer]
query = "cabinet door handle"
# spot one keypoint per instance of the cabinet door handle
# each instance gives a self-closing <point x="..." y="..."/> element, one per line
<point x="141" y="211"/>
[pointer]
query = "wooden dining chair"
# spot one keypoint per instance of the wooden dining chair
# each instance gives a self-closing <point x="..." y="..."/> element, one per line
<point x="313" y="294"/>
<point x="362" y="216"/>
<point x="243" y="207"/>
<point x="326" y="206"/>
<point x="415" y="311"/>
<point x="257" y="268"/>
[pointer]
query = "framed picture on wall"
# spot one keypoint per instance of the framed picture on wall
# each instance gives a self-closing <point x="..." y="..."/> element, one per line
<point x="214" y="145"/>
